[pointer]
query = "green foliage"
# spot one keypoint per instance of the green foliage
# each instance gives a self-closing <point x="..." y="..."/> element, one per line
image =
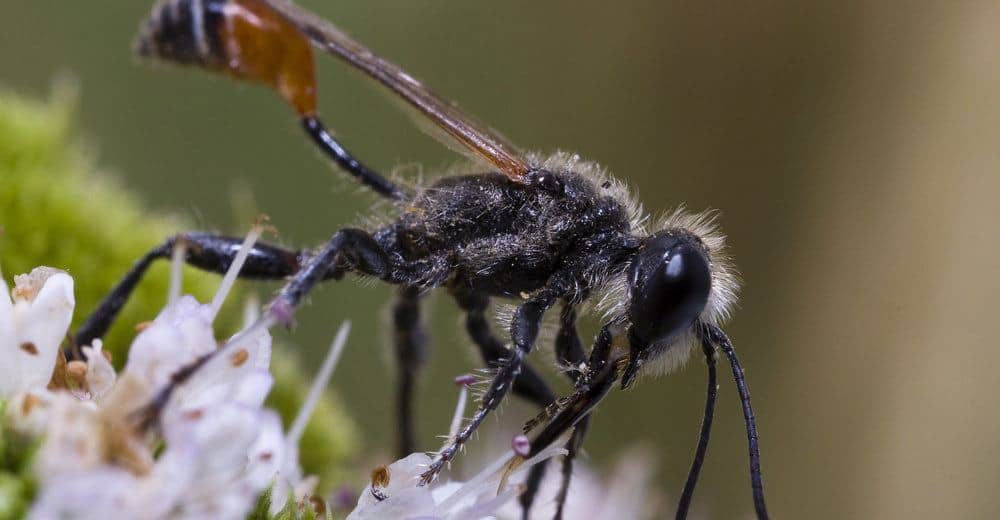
<point x="291" y="510"/>
<point x="56" y="209"/>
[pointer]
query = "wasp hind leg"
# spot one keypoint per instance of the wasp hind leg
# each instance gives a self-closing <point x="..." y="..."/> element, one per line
<point x="336" y="151"/>
<point x="350" y="250"/>
<point x="209" y="252"/>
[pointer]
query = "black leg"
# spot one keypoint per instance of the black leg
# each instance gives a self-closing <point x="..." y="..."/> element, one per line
<point x="569" y="349"/>
<point x="602" y="368"/>
<point x="206" y="251"/>
<point x="717" y="337"/>
<point x="410" y="346"/>
<point x="706" y="430"/>
<point x="333" y="149"/>
<point x="572" y="449"/>
<point x="348" y="250"/>
<point x="569" y="353"/>
<point x="528" y="384"/>
<point x="523" y="333"/>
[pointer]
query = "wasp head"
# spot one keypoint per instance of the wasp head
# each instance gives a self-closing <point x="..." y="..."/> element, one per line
<point x="670" y="281"/>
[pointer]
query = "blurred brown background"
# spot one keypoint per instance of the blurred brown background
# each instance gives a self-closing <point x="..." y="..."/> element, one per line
<point x="852" y="148"/>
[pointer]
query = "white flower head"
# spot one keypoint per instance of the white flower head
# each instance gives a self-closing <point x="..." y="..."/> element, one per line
<point x="625" y="493"/>
<point x="219" y="447"/>
<point x="396" y="492"/>
<point x="75" y="437"/>
<point x="32" y="326"/>
<point x="179" y="335"/>
<point x="225" y="455"/>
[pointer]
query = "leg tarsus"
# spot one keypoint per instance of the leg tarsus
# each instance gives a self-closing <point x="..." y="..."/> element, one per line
<point x="572" y="450"/>
<point x="591" y="389"/>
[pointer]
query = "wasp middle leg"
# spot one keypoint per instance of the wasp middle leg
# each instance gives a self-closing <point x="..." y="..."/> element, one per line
<point x="410" y="349"/>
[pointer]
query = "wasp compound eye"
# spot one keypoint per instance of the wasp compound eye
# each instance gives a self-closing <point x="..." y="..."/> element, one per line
<point x="670" y="281"/>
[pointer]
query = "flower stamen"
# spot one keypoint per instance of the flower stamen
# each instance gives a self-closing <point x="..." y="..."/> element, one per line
<point x="177" y="256"/>
<point x="322" y="378"/>
<point x="234" y="270"/>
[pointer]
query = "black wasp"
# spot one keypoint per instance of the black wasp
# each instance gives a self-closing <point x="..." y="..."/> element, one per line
<point x="546" y="230"/>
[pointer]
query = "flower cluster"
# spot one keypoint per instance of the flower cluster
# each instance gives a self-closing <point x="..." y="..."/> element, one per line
<point x="216" y="448"/>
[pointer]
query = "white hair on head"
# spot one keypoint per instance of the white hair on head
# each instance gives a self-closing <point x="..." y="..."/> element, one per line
<point x="725" y="278"/>
<point x="725" y="284"/>
<point x="613" y="299"/>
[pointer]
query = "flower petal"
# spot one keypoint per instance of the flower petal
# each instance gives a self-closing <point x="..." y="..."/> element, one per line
<point x="36" y="327"/>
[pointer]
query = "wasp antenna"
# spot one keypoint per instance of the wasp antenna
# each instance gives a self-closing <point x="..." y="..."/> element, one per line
<point x="711" y="392"/>
<point x="719" y="338"/>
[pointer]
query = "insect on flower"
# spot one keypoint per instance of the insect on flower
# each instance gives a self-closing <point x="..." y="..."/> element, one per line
<point x="548" y="230"/>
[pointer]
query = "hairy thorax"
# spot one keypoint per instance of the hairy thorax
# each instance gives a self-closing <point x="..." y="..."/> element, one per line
<point x="502" y="237"/>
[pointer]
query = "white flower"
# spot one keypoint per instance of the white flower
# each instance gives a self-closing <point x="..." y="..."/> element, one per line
<point x="394" y="491"/>
<point x="400" y="497"/>
<point x="74" y="437"/>
<point x="225" y="455"/>
<point x="625" y="493"/>
<point x="216" y="463"/>
<point x="32" y="326"/>
<point x="220" y="448"/>
<point x="179" y="335"/>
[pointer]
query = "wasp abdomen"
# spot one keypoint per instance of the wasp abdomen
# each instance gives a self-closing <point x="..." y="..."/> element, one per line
<point x="185" y="31"/>
<point x="247" y="39"/>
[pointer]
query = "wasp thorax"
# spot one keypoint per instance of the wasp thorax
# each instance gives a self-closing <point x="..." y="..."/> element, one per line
<point x="670" y="281"/>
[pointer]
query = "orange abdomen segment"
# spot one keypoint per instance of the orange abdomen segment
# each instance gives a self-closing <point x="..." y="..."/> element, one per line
<point x="261" y="45"/>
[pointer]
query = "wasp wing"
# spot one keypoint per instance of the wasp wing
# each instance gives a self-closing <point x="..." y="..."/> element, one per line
<point x="469" y="133"/>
